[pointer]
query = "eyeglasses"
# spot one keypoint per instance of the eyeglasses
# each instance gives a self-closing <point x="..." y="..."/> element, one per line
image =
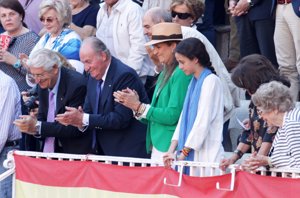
<point x="41" y="76"/>
<point x="182" y="16"/>
<point x="47" y="20"/>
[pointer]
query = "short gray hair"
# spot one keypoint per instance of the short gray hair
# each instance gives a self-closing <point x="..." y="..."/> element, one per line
<point x="44" y="58"/>
<point x="97" y="45"/>
<point x="62" y="7"/>
<point x="273" y="96"/>
<point x="159" y="15"/>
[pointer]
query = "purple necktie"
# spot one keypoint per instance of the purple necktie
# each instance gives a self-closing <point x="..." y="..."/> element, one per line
<point x="96" y="109"/>
<point x="49" y="141"/>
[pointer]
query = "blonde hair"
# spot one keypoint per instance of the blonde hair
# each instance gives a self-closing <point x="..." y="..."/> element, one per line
<point x="62" y="8"/>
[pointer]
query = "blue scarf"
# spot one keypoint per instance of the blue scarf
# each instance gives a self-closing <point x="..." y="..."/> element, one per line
<point x="190" y="110"/>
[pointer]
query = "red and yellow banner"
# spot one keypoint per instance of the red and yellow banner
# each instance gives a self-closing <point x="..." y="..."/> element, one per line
<point x="41" y="178"/>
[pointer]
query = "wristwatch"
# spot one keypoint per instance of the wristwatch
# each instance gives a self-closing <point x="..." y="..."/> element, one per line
<point x="250" y="3"/>
<point x="17" y="65"/>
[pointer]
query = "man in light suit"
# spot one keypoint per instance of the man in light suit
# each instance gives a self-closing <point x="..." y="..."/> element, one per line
<point x="116" y="131"/>
<point x="287" y="45"/>
<point x="68" y="88"/>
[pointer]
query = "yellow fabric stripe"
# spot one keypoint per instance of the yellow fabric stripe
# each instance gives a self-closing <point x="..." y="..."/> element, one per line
<point x="29" y="190"/>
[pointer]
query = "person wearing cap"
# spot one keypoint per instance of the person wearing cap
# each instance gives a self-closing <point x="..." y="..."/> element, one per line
<point x="163" y="113"/>
<point x="231" y="92"/>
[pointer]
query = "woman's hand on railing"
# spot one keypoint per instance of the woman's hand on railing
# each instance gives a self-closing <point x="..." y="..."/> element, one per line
<point x="225" y="163"/>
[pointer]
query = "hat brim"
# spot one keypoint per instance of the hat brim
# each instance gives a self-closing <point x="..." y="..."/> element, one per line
<point x="153" y="42"/>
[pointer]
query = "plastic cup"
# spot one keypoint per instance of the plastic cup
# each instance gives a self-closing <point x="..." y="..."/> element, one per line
<point x="4" y="41"/>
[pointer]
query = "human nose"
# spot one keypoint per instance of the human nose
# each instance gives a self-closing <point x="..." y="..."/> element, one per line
<point x="87" y="68"/>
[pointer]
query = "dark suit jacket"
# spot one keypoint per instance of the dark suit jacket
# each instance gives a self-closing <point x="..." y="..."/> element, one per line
<point x="262" y="9"/>
<point x="118" y="132"/>
<point x="71" y="92"/>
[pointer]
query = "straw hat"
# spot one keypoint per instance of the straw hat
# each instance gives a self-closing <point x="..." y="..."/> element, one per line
<point x="163" y="32"/>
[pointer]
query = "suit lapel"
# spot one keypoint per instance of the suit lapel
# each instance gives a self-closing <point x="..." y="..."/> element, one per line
<point x="107" y="84"/>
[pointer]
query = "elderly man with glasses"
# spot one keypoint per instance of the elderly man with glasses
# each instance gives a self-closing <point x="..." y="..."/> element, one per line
<point x="57" y="88"/>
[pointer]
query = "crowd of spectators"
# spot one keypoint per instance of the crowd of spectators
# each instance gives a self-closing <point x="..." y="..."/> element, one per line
<point x="143" y="78"/>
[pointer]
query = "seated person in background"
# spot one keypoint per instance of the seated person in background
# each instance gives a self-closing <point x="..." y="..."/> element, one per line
<point x="186" y="12"/>
<point x="84" y="16"/>
<point x="249" y="74"/>
<point x="18" y="40"/>
<point x="58" y="87"/>
<point x="10" y="109"/>
<point x="115" y="131"/>
<point x="276" y="106"/>
<point x="198" y="135"/>
<point x="56" y="17"/>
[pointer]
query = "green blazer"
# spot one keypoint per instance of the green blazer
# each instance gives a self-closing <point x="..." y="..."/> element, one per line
<point x="164" y="113"/>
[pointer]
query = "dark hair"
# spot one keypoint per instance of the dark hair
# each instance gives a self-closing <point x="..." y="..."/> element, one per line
<point x="194" y="48"/>
<point x="254" y="70"/>
<point x="14" y="5"/>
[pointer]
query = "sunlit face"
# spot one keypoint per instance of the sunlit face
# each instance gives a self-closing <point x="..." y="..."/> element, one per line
<point x="180" y="18"/>
<point x="45" y="79"/>
<point x="94" y="63"/>
<point x="51" y="23"/>
<point x="187" y="65"/>
<point x="268" y="116"/>
<point x="164" y="52"/>
<point x="10" y="20"/>
<point x="147" y="25"/>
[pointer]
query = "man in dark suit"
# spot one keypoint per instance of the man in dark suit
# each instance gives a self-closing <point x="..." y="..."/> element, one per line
<point x="58" y="87"/>
<point x="116" y="131"/>
<point x="255" y="24"/>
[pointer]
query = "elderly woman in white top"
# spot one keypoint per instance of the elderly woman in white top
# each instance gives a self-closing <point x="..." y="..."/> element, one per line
<point x="56" y="17"/>
<point x="276" y="106"/>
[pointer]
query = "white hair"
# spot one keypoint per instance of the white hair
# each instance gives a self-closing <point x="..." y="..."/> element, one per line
<point x="44" y="58"/>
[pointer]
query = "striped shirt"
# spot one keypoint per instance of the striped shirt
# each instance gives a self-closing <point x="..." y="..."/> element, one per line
<point x="285" y="151"/>
<point x="10" y="109"/>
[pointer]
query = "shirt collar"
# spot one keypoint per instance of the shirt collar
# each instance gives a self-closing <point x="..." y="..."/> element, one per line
<point x="105" y="74"/>
<point x="55" y="88"/>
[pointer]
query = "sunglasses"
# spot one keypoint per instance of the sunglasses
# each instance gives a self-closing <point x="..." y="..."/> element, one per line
<point x="47" y="20"/>
<point x="180" y="15"/>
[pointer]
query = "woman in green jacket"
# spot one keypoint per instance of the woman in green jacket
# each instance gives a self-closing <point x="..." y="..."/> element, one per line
<point x="163" y="113"/>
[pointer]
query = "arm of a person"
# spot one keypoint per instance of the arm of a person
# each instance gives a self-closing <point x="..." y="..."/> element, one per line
<point x="84" y="31"/>
<point x="265" y="148"/>
<point x="118" y="116"/>
<point x="88" y="27"/>
<point x="8" y="105"/>
<point x="211" y="100"/>
<point x="169" y="114"/>
<point x="55" y="129"/>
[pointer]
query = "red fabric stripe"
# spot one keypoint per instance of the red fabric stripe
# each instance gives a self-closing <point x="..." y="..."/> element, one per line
<point x="148" y="180"/>
<point x="139" y="180"/>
